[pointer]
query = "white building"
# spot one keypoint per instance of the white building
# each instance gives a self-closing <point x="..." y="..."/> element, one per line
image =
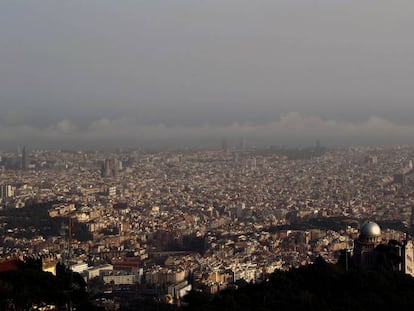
<point x="94" y="272"/>
<point x="119" y="278"/>
<point x="179" y="290"/>
<point x="79" y="267"/>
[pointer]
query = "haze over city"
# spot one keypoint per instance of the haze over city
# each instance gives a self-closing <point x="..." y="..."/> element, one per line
<point x="206" y="155"/>
<point x="97" y="74"/>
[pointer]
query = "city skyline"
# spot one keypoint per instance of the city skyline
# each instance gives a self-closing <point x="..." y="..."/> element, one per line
<point x="103" y="74"/>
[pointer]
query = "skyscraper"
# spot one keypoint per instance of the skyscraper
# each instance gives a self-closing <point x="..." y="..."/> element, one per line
<point x="25" y="161"/>
<point x="224" y="144"/>
<point x="111" y="168"/>
<point x="242" y="144"/>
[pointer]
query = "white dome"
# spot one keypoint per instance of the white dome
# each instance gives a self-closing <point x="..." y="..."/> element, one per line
<point x="370" y="229"/>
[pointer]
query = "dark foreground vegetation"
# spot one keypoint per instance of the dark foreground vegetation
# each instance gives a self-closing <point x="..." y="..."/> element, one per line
<point x="23" y="288"/>
<point x="320" y="286"/>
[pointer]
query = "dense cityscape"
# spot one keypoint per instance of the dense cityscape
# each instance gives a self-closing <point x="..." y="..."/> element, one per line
<point x="158" y="224"/>
<point x="206" y="155"/>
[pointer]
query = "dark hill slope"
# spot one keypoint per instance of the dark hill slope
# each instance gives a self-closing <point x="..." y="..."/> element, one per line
<point x="320" y="286"/>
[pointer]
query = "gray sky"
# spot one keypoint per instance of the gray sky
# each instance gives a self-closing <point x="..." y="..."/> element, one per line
<point x="117" y="73"/>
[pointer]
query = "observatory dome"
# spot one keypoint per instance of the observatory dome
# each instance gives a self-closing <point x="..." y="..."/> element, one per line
<point x="370" y="229"/>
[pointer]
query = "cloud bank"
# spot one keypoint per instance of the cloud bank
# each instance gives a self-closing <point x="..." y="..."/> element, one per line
<point x="292" y="129"/>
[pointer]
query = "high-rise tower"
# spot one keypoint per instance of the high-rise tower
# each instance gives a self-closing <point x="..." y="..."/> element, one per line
<point x="25" y="161"/>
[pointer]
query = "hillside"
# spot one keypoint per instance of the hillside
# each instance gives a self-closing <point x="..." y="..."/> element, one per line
<point x="320" y="286"/>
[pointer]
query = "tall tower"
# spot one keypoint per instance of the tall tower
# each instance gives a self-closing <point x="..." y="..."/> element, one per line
<point x="224" y="146"/>
<point x="242" y="144"/>
<point x="111" y="168"/>
<point x="25" y="162"/>
<point x="106" y="168"/>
